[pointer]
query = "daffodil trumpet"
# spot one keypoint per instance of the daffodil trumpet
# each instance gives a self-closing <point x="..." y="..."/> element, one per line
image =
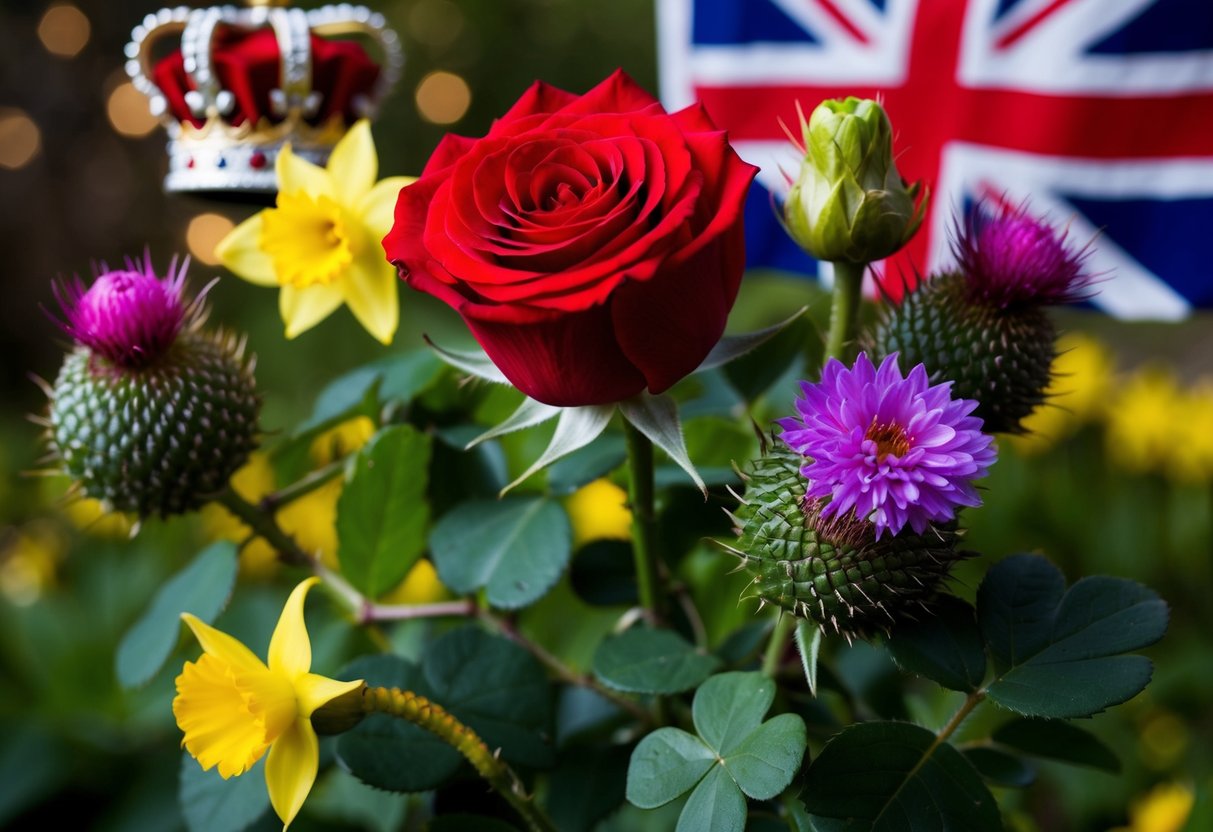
<point x="320" y="243"/>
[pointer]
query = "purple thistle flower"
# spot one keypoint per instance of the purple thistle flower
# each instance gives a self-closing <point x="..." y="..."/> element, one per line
<point x="129" y="316"/>
<point x="1008" y="256"/>
<point x="894" y="451"/>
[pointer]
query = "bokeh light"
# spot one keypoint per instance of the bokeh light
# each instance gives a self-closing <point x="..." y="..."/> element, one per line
<point x="20" y="139"/>
<point x="204" y="233"/>
<point x="435" y="23"/>
<point x="443" y="97"/>
<point x="128" y="112"/>
<point x="64" y="30"/>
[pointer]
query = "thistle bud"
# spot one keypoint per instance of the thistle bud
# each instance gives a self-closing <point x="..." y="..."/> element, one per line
<point x="150" y="413"/>
<point x="849" y="203"/>
<point x="984" y="324"/>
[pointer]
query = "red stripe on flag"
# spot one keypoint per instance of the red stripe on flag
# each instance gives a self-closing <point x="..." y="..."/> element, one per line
<point x="843" y="21"/>
<point x="1023" y="28"/>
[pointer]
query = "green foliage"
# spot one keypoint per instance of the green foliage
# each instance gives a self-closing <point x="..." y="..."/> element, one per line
<point x="892" y="776"/>
<point x="202" y="588"/>
<point x="383" y="512"/>
<point x="1058" y="652"/>
<point x="643" y="660"/>
<point x="211" y="804"/>
<point x="945" y="646"/>
<point x="1057" y="740"/>
<point x="733" y="754"/>
<point x="515" y="549"/>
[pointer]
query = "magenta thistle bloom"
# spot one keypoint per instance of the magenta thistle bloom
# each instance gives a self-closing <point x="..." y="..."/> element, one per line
<point x="894" y="451"/>
<point x="1008" y="256"/>
<point x="129" y="316"/>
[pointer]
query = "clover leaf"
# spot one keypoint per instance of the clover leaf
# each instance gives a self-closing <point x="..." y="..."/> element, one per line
<point x="734" y="754"/>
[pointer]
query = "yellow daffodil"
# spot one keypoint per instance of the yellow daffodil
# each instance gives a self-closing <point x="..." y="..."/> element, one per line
<point x="1142" y="419"/>
<point x="599" y="511"/>
<point x="232" y="707"/>
<point x="1164" y="809"/>
<point x="1191" y="458"/>
<point x="320" y="244"/>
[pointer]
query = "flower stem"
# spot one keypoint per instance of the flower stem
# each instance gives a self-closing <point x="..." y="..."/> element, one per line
<point x="301" y="487"/>
<point x="844" y="310"/>
<point x="778" y="643"/>
<point x="437" y="720"/>
<point x="644" y="523"/>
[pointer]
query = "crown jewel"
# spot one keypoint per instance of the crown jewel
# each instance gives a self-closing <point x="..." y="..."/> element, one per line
<point x="246" y="81"/>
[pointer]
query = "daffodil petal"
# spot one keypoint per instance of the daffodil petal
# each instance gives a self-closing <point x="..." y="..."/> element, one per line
<point x="370" y="292"/>
<point x="240" y="252"/>
<point x="353" y="164"/>
<point x="303" y="308"/>
<point x="221" y="645"/>
<point x="290" y="769"/>
<point x="377" y="207"/>
<point x="290" y="649"/>
<point x="312" y="691"/>
<point x="298" y="174"/>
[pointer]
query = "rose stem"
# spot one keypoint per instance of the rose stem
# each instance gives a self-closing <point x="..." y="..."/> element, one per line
<point x="434" y="718"/>
<point x="644" y="525"/>
<point x="840" y="343"/>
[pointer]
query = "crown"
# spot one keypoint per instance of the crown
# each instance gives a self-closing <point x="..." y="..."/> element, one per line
<point x="246" y="81"/>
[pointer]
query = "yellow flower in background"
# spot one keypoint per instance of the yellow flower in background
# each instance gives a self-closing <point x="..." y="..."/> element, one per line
<point x="312" y="521"/>
<point x="420" y="586"/>
<point x="320" y="244"/>
<point x="29" y="561"/>
<point x="1164" y="809"/>
<point x="1191" y="458"/>
<point x="1082" y="379"/>
<point x="599" y="511"/>
<point x="233" y="708"/>
<point x="252" y="481"/>
<point x="342" y="440"/>
<point x="1142" y="421"/>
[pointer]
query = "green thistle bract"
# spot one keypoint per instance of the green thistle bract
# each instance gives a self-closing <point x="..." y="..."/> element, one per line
<point x="832" y="571"/>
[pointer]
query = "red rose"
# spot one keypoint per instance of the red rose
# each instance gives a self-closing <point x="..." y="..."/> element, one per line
<point x="592" y="244"/>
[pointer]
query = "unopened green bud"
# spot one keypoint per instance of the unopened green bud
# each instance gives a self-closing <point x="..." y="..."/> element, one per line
<point x="849" y="203"/>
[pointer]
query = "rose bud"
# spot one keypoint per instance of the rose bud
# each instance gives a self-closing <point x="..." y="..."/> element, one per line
<point x="150" y="413"/>
<point x="984" y="325"/>
<point x="593" y="244"/>
<point x="849" y="203"/>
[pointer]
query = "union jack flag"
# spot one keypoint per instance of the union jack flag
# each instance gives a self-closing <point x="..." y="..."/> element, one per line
<point x="1099" y="112"/>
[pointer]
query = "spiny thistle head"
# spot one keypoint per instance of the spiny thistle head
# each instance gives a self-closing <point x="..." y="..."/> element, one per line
<point x="984" y="325"/>
<point x="128" y="316"/>
<point x="150" y="413"/>
<point x="849" y="203"/>
<point x="833" y="569"/>
<point x="1009" y="257"/>
<point x="891" y="450"/>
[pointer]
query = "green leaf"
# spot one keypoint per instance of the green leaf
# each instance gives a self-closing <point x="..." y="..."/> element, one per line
<point x="350" y="394"/>
<point x="604" y="574"/>
<point x="1057" y="651"/>
<point x="808" y="642"/>
<point x="1057" y="740"/>
<point x="382" y="513"/>
<point x="595" y="460"/>
<point x="469" y="823"/>
<point x="665" y="764"/>
<point x="891" y="776"/>
<point x="999" y="767"/>
<point x="340" y="798"/>
<point x="514" y="548"/>
<point x="766" y="761"/>
<point x="644" y="660"/>
<point x="732" y="347"/>
<point x="211" y="804"/>
<point x="202" y="588"/>
<point x="753" y="375"/>
<point x="716" y="805"/>
<point x="389" y="753"/>
<point x="496" y="688"/>
<point x="729" y="706"/>
<point x="575" y="428"/>
<point x="587" y="784"/>
<point x="406" y="375"/>
<point x="945" y="647"/>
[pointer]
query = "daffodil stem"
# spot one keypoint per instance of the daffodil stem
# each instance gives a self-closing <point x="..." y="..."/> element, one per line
<point x="844" y="310"/>
<point x="644" y="523"/>
<point x="841" y="341"/>
<point x="435" y="719"/>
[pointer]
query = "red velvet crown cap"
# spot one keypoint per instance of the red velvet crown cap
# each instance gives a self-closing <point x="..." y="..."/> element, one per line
<point x="247" y="64"/>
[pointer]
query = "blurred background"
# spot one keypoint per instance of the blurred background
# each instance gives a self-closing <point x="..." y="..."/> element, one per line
<point x="1118" y="478"/>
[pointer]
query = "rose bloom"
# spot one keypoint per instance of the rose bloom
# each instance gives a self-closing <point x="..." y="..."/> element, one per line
<point x="592" y="244"/>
